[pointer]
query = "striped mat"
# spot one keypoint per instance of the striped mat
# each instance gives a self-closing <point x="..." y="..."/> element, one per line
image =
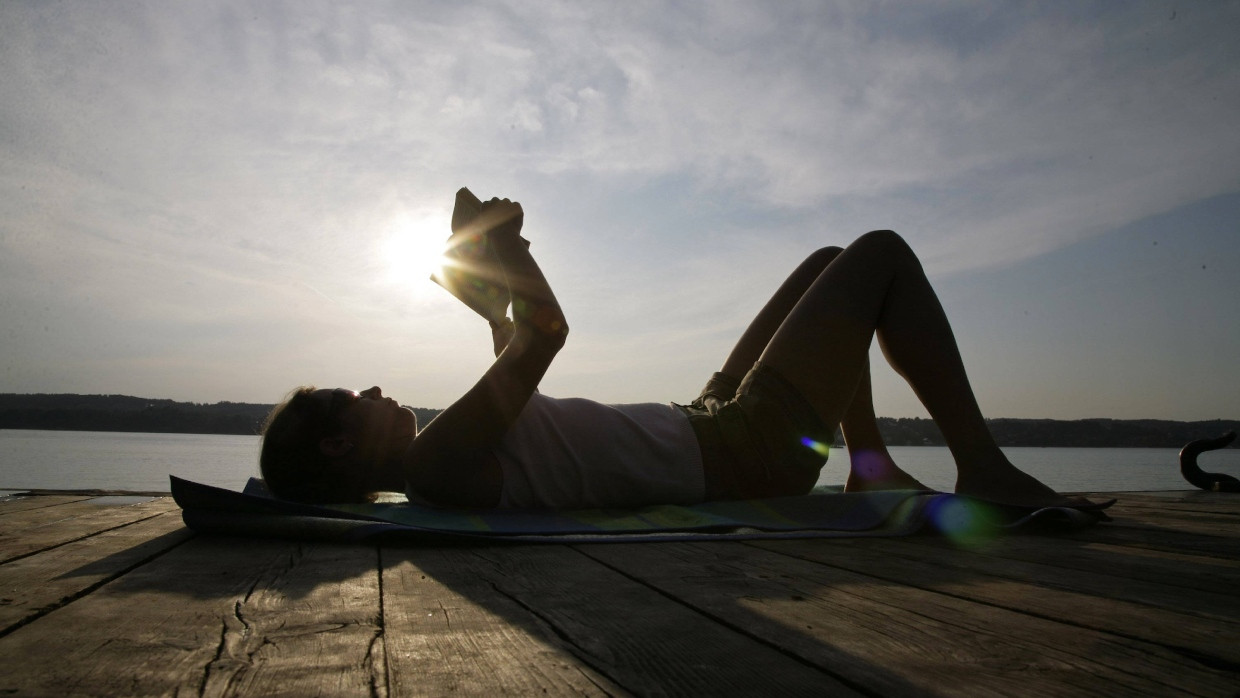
<point x="827" y="512"/>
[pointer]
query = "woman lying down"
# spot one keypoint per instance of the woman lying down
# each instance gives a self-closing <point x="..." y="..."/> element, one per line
<point x="758" y="428"/>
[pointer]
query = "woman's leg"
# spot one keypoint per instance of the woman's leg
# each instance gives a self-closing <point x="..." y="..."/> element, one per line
<point x="871" y="466"/>
<point x="753" y="342"/>
<point x="876" y="286"/>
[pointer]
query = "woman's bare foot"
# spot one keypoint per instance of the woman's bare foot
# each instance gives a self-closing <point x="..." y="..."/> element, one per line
<point x="875" y="470"/>
<point x="1004" y="483"/>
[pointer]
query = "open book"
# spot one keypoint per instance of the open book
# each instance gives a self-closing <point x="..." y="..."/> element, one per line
<point x="471" y="272"/>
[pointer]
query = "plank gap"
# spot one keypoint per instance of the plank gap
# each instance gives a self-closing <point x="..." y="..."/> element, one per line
<point x="733" y="626"/>
<point x="565" y="639"/>
<point x="91" y="588"/>
<point x="381" y="632"/>
<point x="1206" y="660"/>
<point x="92" y="534"/>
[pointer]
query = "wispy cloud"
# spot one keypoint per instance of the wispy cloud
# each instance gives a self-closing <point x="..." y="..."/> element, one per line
<point x="211" y="162"/>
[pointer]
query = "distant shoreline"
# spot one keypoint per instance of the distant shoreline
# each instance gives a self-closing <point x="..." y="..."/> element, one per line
<point x="123" y="413"/>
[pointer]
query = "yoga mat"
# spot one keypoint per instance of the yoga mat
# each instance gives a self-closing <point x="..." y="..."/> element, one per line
<point x="824" y="513"/>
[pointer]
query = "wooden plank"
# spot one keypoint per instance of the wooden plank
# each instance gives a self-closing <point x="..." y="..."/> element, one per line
<point x="41" y="583"/>
<point x="1208" y="578"/>
<point x="1206" y="625"/>
<point x="41" y="516"/>
<point x="233" y="616"/>
<point x="78" y="520"/>
<point x="447" y="631"/>
<point x="311" y="625"/>
<point x="33" y="517"/>
<point x="1176" y="569"/>
<point x="1188" y="494"/>
<point x="215" y="616"/>
<point x="895" y="639"/>
<point x="12" y="505"/>
<point x="1200" y="523"/>
<point x="1153" y="537"/>
<point x="1207" y="502"/>
<point x="516" y="611"/>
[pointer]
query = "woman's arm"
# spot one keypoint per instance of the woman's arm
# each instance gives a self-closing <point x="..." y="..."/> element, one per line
<point x="451" y="460"/>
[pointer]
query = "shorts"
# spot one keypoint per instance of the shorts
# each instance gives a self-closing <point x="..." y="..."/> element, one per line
<point x="765" y="440"/>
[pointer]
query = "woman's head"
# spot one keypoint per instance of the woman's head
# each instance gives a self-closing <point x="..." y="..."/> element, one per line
<point x="335" y="445"/>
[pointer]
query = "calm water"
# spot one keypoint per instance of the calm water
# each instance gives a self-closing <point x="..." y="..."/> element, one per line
<point x="113" y="460"/>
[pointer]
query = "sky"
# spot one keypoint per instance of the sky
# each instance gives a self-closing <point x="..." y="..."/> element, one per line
<point x="211" y="201"/>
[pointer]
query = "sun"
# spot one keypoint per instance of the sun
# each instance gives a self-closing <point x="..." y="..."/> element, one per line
<point x="414" y="249"/>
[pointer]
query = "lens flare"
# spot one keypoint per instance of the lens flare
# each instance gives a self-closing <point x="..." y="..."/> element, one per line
<point x="820" y="448"/>
<point x="966" y="522"/>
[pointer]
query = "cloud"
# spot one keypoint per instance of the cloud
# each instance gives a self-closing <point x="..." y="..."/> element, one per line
<point x="218" y="160"/>
<point x="796" y="104"/>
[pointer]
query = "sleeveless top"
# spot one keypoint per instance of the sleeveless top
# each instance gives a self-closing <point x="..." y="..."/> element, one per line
<point x="574" y="453"/>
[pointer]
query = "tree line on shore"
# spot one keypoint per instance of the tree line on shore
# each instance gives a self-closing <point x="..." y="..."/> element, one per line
<point x="68" y="412"/>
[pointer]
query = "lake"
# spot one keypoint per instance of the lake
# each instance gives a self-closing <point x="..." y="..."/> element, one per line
<point x="129" y="461"/>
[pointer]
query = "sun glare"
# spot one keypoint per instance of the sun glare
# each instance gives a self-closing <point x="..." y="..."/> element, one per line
<point x="414" y="249"/>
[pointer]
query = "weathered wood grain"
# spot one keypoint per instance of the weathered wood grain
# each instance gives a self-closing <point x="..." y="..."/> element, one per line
<point x="310" y="625"/>
<point x="215" y="616"/>
<point x="1185" y="495"/>
<point x="40" y="583"/>
<point x="1196" y="522"/>
<point x="1151" y="536"/>
<point x="121" y="600"/>
<point x="1205" y="624"/>
<point x="67" y="509"/>
<point x="15" y="504"/>
<point x="643" y="641"/>
<point x="896" y="639"/>
<point x="1177" y="568"/>
<point x="40" y="529"/>
<point x="1180" y="501"/>
<point x="448" y="631"/>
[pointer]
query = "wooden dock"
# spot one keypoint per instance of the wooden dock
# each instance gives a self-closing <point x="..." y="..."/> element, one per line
<point x="114" y="596"/>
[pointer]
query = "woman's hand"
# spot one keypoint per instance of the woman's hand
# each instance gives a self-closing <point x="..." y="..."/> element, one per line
<point x="474" y="274"/>
<point x="501" y="217"/>
<point x="501" y="334"/>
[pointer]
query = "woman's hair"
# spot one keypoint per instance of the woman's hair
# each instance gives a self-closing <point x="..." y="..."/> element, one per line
<point x="293" y="465"/>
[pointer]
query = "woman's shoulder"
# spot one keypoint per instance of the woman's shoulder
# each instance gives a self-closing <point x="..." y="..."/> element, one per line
<point x="452" y="476"/>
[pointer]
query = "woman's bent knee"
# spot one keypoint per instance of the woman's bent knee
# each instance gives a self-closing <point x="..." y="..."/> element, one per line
<point x="883" y="237"/>
<point x="823" y="256"/>
<point x="889" y="244"/>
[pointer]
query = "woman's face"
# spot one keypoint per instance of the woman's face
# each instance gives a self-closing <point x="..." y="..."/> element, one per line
<point x="377" y="426"/>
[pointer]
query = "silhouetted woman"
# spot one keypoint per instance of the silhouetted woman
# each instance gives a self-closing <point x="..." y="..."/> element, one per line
<point x="760" y="428"/>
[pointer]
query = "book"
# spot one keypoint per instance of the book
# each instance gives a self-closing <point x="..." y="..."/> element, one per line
<point x="470" y="271"/>
<point x="465" y="210"/>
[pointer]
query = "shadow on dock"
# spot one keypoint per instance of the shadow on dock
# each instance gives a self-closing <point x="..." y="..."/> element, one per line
<point x="1143" y="604"/>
